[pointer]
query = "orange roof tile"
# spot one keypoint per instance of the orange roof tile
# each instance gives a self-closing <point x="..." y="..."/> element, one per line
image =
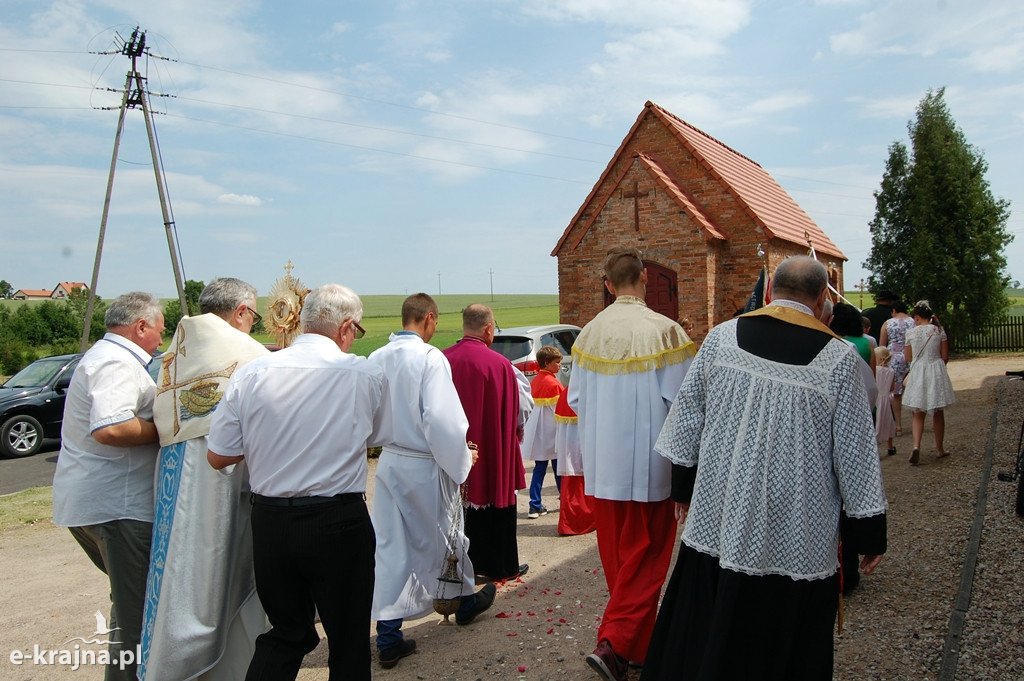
<point x="69" y="285"/>
<point x="766" y="202"/>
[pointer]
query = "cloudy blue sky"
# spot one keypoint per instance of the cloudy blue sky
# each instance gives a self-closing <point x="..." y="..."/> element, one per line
<point x="444" y="146"/>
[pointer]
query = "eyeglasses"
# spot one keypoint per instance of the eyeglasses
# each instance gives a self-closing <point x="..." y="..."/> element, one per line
<point x="359" y="331"/>
<point x="256" y="317"/>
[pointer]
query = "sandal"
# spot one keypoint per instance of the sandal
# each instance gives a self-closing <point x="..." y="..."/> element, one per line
<point x="891" y="452"/>
<point x="942" y="455"/>
<point x="915" y="456"/>
<point x="899" y="432"/>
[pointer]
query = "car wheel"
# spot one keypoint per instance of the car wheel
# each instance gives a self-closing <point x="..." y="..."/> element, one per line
<point x="21" y="435"/>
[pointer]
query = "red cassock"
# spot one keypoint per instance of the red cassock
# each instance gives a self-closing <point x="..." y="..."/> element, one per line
<point x="575" y="512"/>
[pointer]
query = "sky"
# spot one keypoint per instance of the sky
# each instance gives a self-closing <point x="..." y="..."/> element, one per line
<point x="444" y="146"/>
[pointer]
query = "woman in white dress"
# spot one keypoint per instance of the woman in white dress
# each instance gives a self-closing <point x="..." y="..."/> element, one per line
<point x="928" y="386"/>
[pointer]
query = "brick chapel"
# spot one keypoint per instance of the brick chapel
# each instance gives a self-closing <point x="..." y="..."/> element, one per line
<point x="701" y="214"/>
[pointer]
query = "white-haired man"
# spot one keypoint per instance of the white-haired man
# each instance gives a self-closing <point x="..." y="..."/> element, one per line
<point x="103" y="485"/>
<point x="201" y="628"/>
<point x="302" y="420"/>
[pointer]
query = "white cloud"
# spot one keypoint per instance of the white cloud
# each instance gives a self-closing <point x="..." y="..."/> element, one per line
<point x="901" y="107"/>
<point x="998" y="58"/>
<point x="722" y="17"/>
<point x="981" y="32"/>
<point x="240" y="200"/>
<point x="783" y="101"/>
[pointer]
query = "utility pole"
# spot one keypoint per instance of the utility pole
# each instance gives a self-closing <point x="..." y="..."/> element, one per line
<point x="491" y="272"/>
<point x="135" y="95"/>
<point x="438" y="283"/>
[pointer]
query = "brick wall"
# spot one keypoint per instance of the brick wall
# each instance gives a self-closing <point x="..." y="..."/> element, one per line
<point x="715" y="277"/>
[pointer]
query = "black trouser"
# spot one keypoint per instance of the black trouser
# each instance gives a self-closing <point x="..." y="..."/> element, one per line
<point x="493" y="548"/>
<point x="308" y="559"/>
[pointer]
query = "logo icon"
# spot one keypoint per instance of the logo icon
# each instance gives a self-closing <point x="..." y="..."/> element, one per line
<point x="101" y="630"/>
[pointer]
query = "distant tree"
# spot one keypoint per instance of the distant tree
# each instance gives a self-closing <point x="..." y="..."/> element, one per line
<point x="28" y="326"/>
<point x="77" y="302"/>
<point x="938" y="233"/>
<point x="61" y="321"/>
<point x="6" y="290"/>
<point x="172" y="310"/>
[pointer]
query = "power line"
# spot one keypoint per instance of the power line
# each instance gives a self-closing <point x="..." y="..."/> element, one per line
<point x="330" y="121"/>
<point x="378" y="150"/>
<point x="395" y="104"/>
<point x="345" y="94"/>
<point x="394" y="131"/>
<point x="812" y="179"/>
<point x="25" y="49"/>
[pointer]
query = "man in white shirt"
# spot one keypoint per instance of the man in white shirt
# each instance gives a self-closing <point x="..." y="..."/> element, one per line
<point x="417" y="508"/>
<point x="103" y="485"/>
<point x="302" y="419"/>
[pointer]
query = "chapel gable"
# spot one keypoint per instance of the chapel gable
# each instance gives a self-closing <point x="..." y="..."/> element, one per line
<point x="705" y="217"/>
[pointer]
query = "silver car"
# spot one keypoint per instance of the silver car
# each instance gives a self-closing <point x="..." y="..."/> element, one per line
<point x="521" y="343"/>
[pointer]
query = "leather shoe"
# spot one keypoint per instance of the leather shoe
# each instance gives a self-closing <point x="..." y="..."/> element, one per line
<point x="390" y="656"/>
<point x="605" y="662"/>
<point x="484" y="599"/>
<point x="523" y="569"/>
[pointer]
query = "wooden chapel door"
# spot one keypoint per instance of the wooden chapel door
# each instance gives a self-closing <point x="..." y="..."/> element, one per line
<point x="662" y="291"/>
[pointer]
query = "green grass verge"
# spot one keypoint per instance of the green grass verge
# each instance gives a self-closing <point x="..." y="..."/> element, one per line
<point x="27" y="507"/>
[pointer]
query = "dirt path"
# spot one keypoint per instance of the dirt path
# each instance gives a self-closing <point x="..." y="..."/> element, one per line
<point x="541" y="627"/>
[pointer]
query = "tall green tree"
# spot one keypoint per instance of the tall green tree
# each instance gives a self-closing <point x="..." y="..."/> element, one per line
<point x="172" y="310"/>
<point x="938" y="232"/>
<point x="6" y="290"/>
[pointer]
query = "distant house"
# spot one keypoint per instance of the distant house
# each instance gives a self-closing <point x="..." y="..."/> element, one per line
<point x="60" y="292"/>
<point x="64" y="289"/>
<point x="699" y="212"/>
<point x="31" y="294"/>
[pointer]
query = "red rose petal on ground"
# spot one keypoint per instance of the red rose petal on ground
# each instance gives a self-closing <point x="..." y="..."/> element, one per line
<point x="503" y="615"/>
<point x="512" y="634"/>
<point x="550" y="631"/>
<point x="522" y="668"/>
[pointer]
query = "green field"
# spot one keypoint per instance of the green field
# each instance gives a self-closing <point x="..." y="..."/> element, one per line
<point x="382" y="315"/>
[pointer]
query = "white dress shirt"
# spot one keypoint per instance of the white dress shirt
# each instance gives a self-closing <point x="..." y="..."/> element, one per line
<point x="303" y="418"/>
<point x="96" y="483"/>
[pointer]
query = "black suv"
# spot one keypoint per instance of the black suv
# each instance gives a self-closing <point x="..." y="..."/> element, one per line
<point x="32" y="404"/>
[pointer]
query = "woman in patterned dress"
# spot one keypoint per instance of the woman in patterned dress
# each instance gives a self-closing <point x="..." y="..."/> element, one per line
<point x="893" y="336"/>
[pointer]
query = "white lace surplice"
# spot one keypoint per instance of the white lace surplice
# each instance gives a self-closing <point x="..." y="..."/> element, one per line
<point x="778" y="449"/>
